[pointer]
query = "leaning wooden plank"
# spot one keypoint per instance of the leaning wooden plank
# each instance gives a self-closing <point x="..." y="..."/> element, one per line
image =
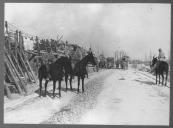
<point x="21" y="81"/>
<point x="14" y="79"/>
<point x="13" y="69"/>
<point x="8" y="75"/>
<point x="32" y="57"/>
<point x="18" y="66"/>
<point x="9" y="61"/>
<point x="24" y="65"/>
<point x="16" y="73"/>
<point x="27" y="72"/>
<point x="29" y="67"/>
<point x="31" y="71"/>
<point x="33" y="77"/>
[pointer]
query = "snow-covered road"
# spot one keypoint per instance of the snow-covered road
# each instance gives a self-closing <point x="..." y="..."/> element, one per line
<point x="114" y="97"/>
<point x="130" y="99"/>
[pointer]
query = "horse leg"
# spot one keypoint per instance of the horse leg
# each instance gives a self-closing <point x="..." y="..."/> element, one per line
<point x="166" y="78"/>
<point x="78" y="83"/>
<point x="159" y="78"/>
<point x="87" y="74"/>
<point x="59" y="88"/>
<point x="162" y="79"/>
<point x="46" y="82"/>
<point x="156" y="77"/>
<point x="71" y="82"/>
<point x="82" y="84"/>
<point x="54" y="86"/>
<point x="40" y="84"/>
<point x="66" y="80"/>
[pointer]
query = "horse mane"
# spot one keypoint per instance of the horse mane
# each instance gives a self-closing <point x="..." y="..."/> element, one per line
<point x="83" y="60"/>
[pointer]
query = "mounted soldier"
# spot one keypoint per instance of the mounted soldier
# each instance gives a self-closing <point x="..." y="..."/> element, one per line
<point x="161" y="55"/>
<point x="160" y="67"/>
<point x="76" y="55"/>
<point x="161" y="58"/>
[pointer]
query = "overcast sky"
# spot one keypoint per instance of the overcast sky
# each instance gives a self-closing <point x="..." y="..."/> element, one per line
<point x="135" y="28"/>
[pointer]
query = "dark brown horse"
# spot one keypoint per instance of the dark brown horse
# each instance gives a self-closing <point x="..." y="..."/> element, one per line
<point x="160" y="67"/>
<point x="54" y="72"/>
<point x="80" y="68"/>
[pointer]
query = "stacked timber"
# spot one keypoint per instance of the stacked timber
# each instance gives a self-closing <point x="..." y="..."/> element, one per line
<point x="19" y="73"/>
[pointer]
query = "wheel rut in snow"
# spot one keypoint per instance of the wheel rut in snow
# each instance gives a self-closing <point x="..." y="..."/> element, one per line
<point x="71" y="113"/>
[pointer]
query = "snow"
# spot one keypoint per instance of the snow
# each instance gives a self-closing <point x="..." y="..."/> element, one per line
<point x="33" y="109"/>
<point x="37" y="111"/>
<point x="125" y="97"/>
<point x="125" y="101"/>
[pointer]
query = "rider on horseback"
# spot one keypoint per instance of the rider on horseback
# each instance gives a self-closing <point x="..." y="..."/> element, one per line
<point x="161" y="55"/>
<point x="161" y="58"/>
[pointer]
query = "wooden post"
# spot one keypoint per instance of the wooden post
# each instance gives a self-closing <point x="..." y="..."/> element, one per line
<point x="21" y="45"/>
<point x="38" y="46"/>
<point x="6" y="26"/>
<point x="7" y="90"/>
<point x="7" y="43"/>
<point x="16" y="43"/>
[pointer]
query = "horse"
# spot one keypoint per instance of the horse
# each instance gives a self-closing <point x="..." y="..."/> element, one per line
<point x="80" y="68"/>
<point x="51" y="72"/>
<point x="160" y="67"/>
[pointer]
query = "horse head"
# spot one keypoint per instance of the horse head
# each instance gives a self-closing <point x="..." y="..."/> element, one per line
<point x="154" y="61"/>
<point x="91" y="58"/>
